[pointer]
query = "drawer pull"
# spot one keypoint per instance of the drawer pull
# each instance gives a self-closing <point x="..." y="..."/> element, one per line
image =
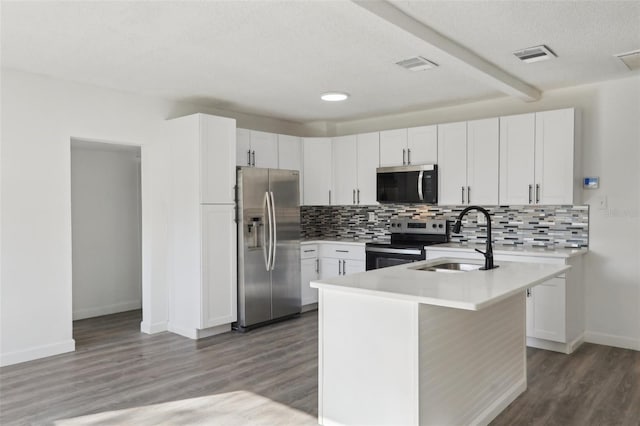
<point x="342" y="251"/>
<point x="309" y="251"/>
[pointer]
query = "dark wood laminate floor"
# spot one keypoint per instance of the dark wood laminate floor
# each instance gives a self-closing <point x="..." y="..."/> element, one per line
<point x="268" y="376"/>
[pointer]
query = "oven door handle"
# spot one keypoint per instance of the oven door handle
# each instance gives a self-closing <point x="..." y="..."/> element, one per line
<point x="393" y="250"/>
<point x="420" y="178"/>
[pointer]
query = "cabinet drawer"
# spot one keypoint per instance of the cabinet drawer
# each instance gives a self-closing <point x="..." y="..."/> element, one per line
<point x="308" y="251"/>
<point x="342" y="251"/>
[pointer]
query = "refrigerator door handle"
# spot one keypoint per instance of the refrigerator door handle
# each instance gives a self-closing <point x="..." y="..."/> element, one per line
<point x="274" y="238"/>
<point x="266" y="247"/>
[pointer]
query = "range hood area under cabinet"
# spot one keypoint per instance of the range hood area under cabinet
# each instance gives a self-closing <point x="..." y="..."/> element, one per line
<point x="525" y="159"/>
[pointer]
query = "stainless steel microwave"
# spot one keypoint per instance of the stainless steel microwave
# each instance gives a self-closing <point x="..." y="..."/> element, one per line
<point x="407" y="184"/>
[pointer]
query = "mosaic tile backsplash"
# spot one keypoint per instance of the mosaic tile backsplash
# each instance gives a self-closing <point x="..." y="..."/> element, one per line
<point x="540" y="226"/>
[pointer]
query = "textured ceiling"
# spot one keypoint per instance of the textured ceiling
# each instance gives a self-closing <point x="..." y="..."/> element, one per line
<point x="275" y="58"/>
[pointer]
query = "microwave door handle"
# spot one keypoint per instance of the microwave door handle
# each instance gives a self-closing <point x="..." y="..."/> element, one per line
<point x="420" y="179"/>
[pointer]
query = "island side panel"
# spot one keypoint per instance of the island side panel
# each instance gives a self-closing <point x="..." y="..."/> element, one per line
<point x="472" y="363"/>
<point x="368" y="360"/>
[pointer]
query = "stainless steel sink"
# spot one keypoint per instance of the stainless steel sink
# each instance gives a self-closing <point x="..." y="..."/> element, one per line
<point x="450" y="267"/>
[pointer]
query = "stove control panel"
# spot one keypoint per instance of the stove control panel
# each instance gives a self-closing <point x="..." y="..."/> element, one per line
<point x="419" y="226"/>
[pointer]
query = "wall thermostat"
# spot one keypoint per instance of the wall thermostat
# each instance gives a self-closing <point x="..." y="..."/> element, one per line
<point x="591" y="183"/>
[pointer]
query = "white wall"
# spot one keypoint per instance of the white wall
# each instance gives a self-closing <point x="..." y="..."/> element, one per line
<point x="39" y="117"/>
<point x="611" y="150"/>
<point x="105" y="229"/>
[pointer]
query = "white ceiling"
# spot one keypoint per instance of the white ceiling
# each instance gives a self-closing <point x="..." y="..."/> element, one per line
<point x="274" y="58"/>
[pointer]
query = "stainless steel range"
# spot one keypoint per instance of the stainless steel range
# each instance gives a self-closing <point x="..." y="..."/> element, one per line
<point x="408" y="239"/>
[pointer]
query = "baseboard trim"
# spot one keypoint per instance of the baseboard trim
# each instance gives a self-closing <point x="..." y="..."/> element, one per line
<point x="213" y="331"/>
<point x="37" y="352"/>
<point x="98" y="311"/>
<point x="158" y="327"/>
<point x="549" y="345"/>
<point x="501" y="403"/>
<point x="195" y="334"/>
<point x="191" y="333"/>
<point x="612" y="340"/>
<point x="309" y="307"/>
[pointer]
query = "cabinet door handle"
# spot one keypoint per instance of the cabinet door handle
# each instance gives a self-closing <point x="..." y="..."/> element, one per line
<point x="358" y="196"/>
<point x="408" y="155"/>
<point x="354" y="196"/>
<point x="339" y="267"/>
<point x="468" y="195"/>
<point x="329" y="197"/>
<point x="537" y="193"/>
<point x="404" y="157"/>
<point x="462" y="194"/>
<point x="528" y="292"/>
<point x="248" y="157"/>
<point x="317" y="266"/>
<point x="530" y="194"/>
<point x="344" y="264"/>
<point x="253" y="162"/>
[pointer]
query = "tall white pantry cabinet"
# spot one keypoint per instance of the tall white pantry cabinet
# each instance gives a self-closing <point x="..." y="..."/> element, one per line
<point x="202" y="229"/>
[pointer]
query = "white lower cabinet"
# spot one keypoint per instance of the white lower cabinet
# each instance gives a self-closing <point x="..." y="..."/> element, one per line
<point x="330" y="259"/>
<point x="309" y="271"/>
<point x="555" y="308"/>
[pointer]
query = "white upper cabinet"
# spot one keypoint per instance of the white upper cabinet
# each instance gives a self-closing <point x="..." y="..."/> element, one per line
<point x="264" y="149"/>
<point x="452" y="163"/>
<point x="557" y="174"/>
<point x="416" y="145"/>
<point x="517" y="149"/>
<point x="422" y="145"/>
<point x="539" y="163"/>
<point x="345" y="176"/>
<point x="289" y="152"/>
<point x="290" y="156"/>
<point x="393" y="147"/>
<point x="355" y="160"/>
<point x="257" y="149"/>
<point x="468" y="162"/>
<point x="483" y="145"/>
<point x="243" y="147"/>
<point x="316" y="163"/>
<point x="203" y="158"/>
<point x="368" y="162"/>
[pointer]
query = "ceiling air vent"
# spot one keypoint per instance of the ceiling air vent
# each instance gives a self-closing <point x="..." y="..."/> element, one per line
<point x="630" y="59"/>
<point x="417" y="63"/>
<point x="535" y="54"/>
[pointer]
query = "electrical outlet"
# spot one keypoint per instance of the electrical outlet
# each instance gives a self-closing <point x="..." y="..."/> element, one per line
<point x="482" y="220"/>
<point x="372" y="217"/>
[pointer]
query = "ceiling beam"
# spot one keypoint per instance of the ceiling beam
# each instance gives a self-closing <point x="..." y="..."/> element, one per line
<point x="469" y="62"/>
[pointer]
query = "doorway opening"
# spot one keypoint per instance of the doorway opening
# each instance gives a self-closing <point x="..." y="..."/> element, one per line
<point x="106" y="231"/>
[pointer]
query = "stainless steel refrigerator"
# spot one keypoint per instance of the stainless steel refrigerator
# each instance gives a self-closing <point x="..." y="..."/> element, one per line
<point x="268" y="245"/>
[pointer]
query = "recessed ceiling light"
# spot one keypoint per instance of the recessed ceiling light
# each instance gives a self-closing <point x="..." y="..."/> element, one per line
<point x="535" y="54"/>
<point x="334" y="96"/>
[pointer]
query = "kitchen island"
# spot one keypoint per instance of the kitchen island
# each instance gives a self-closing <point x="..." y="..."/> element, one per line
<point x="408" y="346"/>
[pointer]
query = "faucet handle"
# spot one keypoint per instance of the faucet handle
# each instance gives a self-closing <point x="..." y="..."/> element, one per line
<point x="481" y="252"/>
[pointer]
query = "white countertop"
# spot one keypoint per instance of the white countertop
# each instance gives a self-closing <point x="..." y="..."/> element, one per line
<point x="352" y="242"/>
<point x="472" y="290"/>
<point x="515" y="251"/>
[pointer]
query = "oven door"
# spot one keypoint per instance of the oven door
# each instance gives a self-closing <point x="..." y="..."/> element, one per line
<point x="381" y="257"/>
